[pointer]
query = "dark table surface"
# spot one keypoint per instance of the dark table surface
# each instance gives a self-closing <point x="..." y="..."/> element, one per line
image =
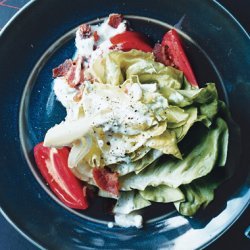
<point x="234" y="238"/>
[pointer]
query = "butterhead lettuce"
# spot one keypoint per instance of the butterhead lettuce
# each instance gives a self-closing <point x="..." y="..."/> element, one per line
<point x="162" y="136"/>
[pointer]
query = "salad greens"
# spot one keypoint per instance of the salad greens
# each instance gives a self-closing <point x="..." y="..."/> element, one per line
<point x="145" y="133"/>
<point x="162" y="193"/>
<point x="180" y="178"/>
<point x="173" y="172"/>
<point x="198" y="194"/>
<point x="119" y="66"/>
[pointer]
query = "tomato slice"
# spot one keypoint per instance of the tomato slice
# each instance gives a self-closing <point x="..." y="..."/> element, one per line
<point x="106" y="180"/>
<point x="53" y="165"/>
<point x="176" y="53"/>
<point x="131" y="40"/>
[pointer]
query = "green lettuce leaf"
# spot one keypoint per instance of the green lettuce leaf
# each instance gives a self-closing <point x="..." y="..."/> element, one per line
<point x="176" y="116"/>
<point x="187" y="97"/>
<point x="117" y="66"/>
<point x="181" y="131"/>
<point x="172" y="172"/>
<point x="198" y="194"/>
<point x="163" y="194"/>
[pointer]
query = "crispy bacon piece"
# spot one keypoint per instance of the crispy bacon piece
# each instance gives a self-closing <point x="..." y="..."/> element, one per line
<point x="73" y="71"/>
<point x="85" y="30"/>
<point x="96" y="36"/>
<point x="161" y="55"/>
<point x="76" y="74"/>
<point x="115" y="20"/>
<point x="106" y="180"/>
<point x="63" y="68"/>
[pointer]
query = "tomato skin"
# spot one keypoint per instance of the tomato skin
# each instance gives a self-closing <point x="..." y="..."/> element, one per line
<point x="175" y="51"/>
<point x="129" y="40"/>
<point x="53" y="165"/>
<point x="106" y="180"/>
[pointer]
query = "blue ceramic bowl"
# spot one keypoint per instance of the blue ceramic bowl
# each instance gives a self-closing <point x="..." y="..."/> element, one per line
<point x="39" y="38"/>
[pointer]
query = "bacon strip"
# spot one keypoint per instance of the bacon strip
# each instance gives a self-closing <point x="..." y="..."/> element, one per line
<point x="63" y="68"/>
<point x="106" y="180"/>
<point x="85" y="30"/>
<point x="73" y="71"/>
<point x="96" y="36"/>
<point x="75" y="74"/>
<point x="115" y="20"/>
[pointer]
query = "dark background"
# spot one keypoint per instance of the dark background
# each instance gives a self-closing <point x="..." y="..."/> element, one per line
<point x="234" y="238"/>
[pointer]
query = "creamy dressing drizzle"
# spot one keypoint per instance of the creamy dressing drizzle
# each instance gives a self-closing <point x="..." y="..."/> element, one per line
<point x="92" y="50"/>
<point x="128" y="220"/>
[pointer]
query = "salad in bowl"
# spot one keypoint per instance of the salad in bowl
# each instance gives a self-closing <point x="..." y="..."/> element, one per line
<point x="139" y="128"/>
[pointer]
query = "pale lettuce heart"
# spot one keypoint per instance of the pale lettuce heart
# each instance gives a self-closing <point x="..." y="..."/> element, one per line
<point x="78" y="151"/>
<point x="94" y="156"/>
<point x="137" y="141"/>
<point x="125" y="149"/>
<point x="83" y="171"/>
<point x="176" y="116"/>
<point x="139" y="165"/>
<point x="117" y="66"/>
<point x="166" y="143"/>
<point x="139" y="153"/>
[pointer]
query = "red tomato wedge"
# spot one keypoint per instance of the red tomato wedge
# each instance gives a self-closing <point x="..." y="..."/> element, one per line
<point x="176" y="53"/>
<point x="53" y="165"/>
<point x="131" y="40"/>
<point x="106" y="180"/>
